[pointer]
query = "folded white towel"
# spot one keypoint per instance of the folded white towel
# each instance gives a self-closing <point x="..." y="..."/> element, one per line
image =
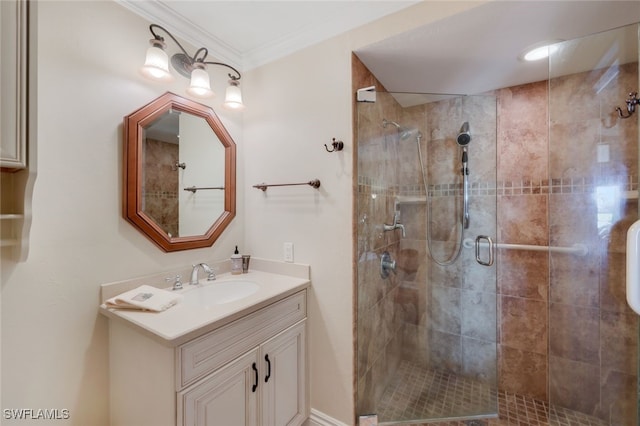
<point x="145" y="298"/>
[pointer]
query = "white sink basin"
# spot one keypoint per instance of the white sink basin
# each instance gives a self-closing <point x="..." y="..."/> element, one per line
<point x="218" y="293"/>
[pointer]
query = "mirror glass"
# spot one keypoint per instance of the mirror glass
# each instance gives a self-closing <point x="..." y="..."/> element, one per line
<point x="183" y="180"/>
<point x="180" y="173"/>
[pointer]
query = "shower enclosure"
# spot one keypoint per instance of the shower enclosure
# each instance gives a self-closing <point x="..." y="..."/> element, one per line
<point x="526" y="304"/>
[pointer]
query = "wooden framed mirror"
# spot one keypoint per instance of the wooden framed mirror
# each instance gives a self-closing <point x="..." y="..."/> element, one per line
<point x="179" y="185"/>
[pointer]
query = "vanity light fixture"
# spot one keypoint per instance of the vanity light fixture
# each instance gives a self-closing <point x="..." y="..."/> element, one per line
<point x="156" y="67"/>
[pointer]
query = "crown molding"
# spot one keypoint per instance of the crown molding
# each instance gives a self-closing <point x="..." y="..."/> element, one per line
<point x="353" y="16"/>
<point x="159" y="13"/>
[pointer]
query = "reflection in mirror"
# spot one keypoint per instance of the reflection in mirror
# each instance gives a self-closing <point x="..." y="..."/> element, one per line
<point x="177" y="163"/>
<point x="179" y="173"/>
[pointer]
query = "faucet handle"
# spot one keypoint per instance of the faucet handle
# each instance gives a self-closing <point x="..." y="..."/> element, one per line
<point x="177" y="283"/>
<point x="211" y="274"/>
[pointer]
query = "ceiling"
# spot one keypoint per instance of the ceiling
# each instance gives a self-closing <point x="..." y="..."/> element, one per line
<point x="478" y="50"/>
<point x="247" y="34"/>
<point x="471" y="52"/>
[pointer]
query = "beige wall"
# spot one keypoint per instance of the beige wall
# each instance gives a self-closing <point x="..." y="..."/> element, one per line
<point x="297" y="105"/>
<point x="54" y="342"/>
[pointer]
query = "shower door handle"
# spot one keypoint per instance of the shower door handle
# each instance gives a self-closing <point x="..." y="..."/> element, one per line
<point x="489" y="242"/>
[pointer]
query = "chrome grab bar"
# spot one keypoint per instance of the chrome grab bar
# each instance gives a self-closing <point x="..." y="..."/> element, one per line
<point x="479" y="238"/>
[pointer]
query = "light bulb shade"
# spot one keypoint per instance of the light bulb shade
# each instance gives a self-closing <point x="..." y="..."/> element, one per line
<point x="233" y="97"/>
<point x="156" y="64"/>
<point x="200" y="86"/>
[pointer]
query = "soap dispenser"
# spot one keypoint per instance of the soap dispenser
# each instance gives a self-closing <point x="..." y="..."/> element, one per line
<point x="236" y="262"/>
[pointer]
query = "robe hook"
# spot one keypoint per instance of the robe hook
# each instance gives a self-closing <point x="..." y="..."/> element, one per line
<point x="631" y="105"/>
<point x="337" y="145"/>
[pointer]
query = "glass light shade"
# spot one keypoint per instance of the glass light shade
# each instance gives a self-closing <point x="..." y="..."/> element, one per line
<point x="156" y="65"/>
<point x="233" y="97"/>
<point x="200" y="86"/>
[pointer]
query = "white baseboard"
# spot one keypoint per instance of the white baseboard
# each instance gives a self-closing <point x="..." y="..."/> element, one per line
<point x="318" y="418"/>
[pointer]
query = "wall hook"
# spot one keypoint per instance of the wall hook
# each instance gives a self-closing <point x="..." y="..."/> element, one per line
<point x="337" y="145"/>
<point x="631" y="105"/>
<point x="178" y="165"/>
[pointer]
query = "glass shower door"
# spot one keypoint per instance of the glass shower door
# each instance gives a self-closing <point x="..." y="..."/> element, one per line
<point x="593" y="162"/>
<point x="426" y="315"/>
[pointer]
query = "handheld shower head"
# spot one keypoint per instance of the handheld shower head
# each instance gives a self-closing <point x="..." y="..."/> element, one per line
<point x="464" y="137"/>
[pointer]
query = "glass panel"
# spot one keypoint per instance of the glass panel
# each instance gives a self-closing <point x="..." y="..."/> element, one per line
<point x="593" y="166"/>
<point x="427" y="331"/>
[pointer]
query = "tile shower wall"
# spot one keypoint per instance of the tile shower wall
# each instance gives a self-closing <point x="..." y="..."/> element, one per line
<point x="379" y="319"/>
<point x="160" y="189"/>
<point x="565" y="334"/>
<point x="593" y="334"/>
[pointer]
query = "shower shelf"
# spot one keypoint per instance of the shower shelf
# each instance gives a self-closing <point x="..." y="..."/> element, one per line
<point x="577" y="249"/>
<point x="630" y="195"/>
<point x="411" y="199"/>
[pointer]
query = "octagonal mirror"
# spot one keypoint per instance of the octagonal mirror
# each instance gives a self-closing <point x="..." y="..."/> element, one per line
<point x="179" y="173"/>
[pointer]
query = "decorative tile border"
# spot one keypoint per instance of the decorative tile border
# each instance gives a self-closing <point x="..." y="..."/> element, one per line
<point x="161" y="194"/>
<point x="511" y="187"/>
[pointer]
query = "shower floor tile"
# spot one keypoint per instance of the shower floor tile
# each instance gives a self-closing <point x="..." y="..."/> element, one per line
<point x="417" y="392"/>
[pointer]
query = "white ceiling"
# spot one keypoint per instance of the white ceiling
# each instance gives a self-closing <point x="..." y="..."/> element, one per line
<point x="472" y="52"/>
<point x="247" y="34"/>
<point x="478" y="50"/>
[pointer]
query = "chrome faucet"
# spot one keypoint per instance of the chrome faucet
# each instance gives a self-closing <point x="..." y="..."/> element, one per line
<point x="396" y="224"/>
<point x="194" y="273"/>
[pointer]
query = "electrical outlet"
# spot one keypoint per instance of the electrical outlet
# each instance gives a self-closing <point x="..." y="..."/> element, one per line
<point x="288" y="252"/>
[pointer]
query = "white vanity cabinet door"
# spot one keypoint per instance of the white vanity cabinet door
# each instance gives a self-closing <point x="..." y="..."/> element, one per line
<point x="227" y="397"/>
<point x="265" y="387"/>
<point x="284" y="378"/>
<point x="13" y="89"/>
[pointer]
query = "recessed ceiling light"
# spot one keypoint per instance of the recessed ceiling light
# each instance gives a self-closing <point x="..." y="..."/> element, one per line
<point x="539" y="51"/>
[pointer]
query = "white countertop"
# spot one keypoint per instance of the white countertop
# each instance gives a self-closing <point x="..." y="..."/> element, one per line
<point x="184" y="322"/>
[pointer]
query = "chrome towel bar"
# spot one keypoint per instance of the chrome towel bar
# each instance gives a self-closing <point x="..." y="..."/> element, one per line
<point x="194" y="189"/>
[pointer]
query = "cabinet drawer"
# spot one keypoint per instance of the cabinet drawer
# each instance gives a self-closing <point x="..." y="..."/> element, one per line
<point x="201" y="356"/>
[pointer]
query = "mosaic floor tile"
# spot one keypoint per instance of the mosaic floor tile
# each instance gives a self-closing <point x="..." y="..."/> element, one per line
<point x="416" y="392"/>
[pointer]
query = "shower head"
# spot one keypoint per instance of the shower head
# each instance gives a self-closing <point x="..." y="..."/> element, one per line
<point x="464" y="137"/>
<point x="405" y="132"/>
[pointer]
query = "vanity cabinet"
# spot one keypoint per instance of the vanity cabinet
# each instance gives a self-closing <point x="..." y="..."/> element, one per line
<point x="18" y="129"/>
<point x="13" y="84"/>
<point x="266" y="386"/>
<point x="249" y="372"/>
